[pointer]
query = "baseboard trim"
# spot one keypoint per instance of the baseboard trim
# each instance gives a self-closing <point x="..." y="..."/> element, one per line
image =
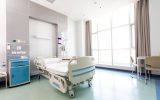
<point x="108" y="68"/>
<point x="124" y="70"/>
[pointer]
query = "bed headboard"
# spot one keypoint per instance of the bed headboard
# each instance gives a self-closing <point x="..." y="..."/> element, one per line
<point x="41" y="62"/>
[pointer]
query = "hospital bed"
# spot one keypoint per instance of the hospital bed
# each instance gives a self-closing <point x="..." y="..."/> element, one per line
<point x="65" y="75"/>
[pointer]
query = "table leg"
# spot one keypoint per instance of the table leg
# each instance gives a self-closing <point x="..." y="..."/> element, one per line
<point x="138" y="71"/>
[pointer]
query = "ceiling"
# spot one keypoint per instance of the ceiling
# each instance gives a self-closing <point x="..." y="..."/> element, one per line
<point x="83" y="9"/>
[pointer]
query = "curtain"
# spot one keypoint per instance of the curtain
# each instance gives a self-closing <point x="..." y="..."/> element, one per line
<point x="88" y="38"/>
<point x="142" y="28"/>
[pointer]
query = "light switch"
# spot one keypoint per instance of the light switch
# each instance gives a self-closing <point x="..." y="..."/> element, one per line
<point x="8" y="47"/>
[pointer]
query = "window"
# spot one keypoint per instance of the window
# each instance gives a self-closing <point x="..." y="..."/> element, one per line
<point x="121" y="37"/>
<point x="120" y="17"/>
<point x="94" y="42"/>
<point x="121" y="46"/>
<point x="95" y="47"/>
<point x="114" y="37"/>
<point x="105" y="57"/>
<point x="104" y="39"/>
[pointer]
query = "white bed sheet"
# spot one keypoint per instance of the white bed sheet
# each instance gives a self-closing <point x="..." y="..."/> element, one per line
<point x="60" y="68"/>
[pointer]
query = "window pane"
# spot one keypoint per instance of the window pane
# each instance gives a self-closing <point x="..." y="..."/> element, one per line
<point x="105" y="57"/>
<point x="113" y="39"/>
<point x="104" y="39"/>
<point x="121" y="57"/>
<point x="132" y="13"/>
<point x="133" y="36"/>
<point x="94" y="41"/>
<point x="94" y="26"/>
<point x="104" y="23"/>
<point x="121" y="37"/>
<point x="95" y="55"/>
<point x="121" y="16"/>
<point x="133" y="54"/>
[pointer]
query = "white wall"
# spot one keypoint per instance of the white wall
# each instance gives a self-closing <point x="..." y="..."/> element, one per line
<point x="75" y="45"/>
<point x="2" y="31"/>
<point x="154" y="8"/>
<point x="155" y="27"/>
<point x="80" y="38"/>
<point x="71" y="38"/>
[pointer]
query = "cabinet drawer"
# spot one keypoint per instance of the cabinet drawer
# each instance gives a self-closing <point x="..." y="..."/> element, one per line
<point x="21" y="63"/>
<point x="19" y="75"/>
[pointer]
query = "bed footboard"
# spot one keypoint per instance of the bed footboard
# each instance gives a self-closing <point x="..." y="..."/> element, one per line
<point x="81" y="69"/>
<point x="58" y="82"/>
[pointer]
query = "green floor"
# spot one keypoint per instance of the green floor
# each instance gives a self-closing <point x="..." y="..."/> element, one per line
<point x="107" y="85"/>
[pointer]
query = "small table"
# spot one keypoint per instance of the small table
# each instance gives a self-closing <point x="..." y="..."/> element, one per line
<point x="140" y="65"/>
<point x="4" y="75"/>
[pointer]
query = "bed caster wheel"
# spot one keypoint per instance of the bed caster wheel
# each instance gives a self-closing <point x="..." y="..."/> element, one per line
<point x="71" y="93"/>
<point x="89" y="84"/>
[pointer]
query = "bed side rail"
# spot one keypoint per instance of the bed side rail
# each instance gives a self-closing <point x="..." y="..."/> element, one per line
<point x="81" y="69"/>
<point x="39" y="62"/>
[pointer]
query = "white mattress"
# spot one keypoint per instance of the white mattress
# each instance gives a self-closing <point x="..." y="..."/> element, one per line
<point x="60" y="68"/>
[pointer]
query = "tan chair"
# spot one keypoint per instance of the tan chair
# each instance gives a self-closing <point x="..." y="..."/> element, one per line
<point x="152" y="63"/>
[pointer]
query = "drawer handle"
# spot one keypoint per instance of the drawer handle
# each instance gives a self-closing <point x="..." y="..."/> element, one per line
<point x="20" y="66"/>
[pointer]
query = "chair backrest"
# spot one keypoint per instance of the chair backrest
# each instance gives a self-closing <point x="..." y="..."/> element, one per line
<point x="133" y="64"/>
<point x="153" y="61"/>
<point x="132" y="61"/>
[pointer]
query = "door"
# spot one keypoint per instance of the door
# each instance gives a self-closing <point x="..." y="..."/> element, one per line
<point x="42" y="38"/>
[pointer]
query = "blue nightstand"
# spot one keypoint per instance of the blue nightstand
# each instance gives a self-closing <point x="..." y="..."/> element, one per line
<point x="19" y="72"/>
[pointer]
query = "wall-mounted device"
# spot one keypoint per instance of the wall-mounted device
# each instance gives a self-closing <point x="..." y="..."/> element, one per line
<point x="18" y="49"/>
<point x="59" y="40"/>
<point x="42" y="37"/>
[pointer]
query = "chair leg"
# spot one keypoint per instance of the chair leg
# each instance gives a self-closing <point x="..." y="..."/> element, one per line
<point x="132" y="73"/>
<point x="149" y="72"/>
<point x="39" y="76"/>
<point x="146" y="76"/>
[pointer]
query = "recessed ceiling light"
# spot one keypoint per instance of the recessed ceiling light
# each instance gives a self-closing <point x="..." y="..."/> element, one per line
<point x="51" y="1"/>
<point x="98" y="3"/>
<point x="95" y="2"/>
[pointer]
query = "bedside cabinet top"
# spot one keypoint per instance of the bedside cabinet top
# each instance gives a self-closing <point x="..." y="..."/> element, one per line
<point x="17" y="60"/>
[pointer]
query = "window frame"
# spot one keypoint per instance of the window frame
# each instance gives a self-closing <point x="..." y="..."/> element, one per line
<point x="131" y="47"/>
